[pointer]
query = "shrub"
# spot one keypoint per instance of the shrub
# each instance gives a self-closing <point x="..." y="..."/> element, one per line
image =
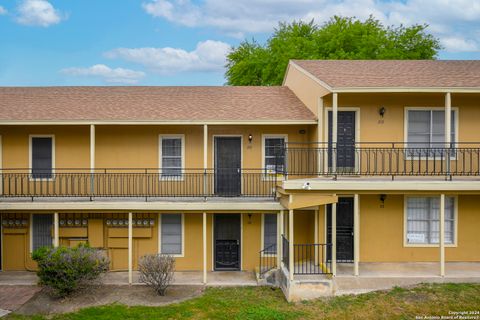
<point x="156" y="270"/>
<point x="65" y="270"/>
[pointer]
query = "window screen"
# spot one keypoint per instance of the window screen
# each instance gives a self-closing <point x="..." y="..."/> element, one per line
<point x="423" y="220"/>
<point x="171" y="157"/>
<point x="274" y="158"/>
<point x="171" y="234"/>
<point x="42" y="154"/>
<point x="41" y="230"/>
<point x="426" y="129"/>
<point x="270" y="232"/>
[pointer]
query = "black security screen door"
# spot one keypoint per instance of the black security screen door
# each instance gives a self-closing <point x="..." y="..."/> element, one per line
<point x="228" y="160"/>
<point x="345" y="151"/>
<point x="344" y="230"/>
<point x="227" y="241"/>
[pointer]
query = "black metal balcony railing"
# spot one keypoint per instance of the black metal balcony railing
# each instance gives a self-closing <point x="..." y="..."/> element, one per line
<point x="285" y="252"/>
<point x="382" y="159"/>
<point x="143" y="183"/>
<point x="311" y="258"/>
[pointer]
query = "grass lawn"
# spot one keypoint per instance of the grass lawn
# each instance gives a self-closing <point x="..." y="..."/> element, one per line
<point x="267" y="303"/>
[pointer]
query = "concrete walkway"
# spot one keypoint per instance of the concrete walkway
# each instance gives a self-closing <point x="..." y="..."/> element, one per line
<point x="216" y="278"/>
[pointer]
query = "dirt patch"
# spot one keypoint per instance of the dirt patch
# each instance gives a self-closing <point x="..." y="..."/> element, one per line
<point x="43" y="303"/>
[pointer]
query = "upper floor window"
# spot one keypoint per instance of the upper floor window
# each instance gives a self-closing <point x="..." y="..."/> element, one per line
<point x="42" y="156"/>
<point x="426" y="128"/>
<point x="274" y="158"/>
<point x="423" y="220"/>
<point x="171" y="156"/>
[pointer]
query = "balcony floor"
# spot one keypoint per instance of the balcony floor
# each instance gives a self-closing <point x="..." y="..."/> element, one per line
<point x="138" y="199"/>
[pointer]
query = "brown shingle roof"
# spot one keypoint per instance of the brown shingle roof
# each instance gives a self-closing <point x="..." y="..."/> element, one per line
<point x="395" y="73"/>
<point x="151" y="104"/>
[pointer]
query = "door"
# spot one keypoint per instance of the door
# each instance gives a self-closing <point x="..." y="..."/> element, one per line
<point x="344" y="230"/>
<point x="345" y="152"/>
<point x="228" y="158"/>
<point x="227" y="241"/>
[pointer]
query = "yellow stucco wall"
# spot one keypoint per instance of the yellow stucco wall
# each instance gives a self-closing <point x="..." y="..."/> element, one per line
<point x="382" y="232"/>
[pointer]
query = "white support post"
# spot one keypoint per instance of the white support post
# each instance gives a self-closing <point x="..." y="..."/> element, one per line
<point x="334" y="239"/>
<point x="448" y="128"/>
<point x="442" y="235"/>
<point x="130" y="248"/>
<point x="320" y="156"/>
<point x="291" y="261"/>
<point x="315" y="238"/>
<point x="204" y="239"/>
<point x="356" y="234"/>
<point x="279" y="238"/>
<point x="56" y="238"/>
<point x="334" y="131"/>
<point x="92" y="158"/>
<point x="205" y="159"/>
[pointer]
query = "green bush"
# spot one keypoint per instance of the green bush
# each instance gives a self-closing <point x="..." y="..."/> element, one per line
<point x="65" y="270"/>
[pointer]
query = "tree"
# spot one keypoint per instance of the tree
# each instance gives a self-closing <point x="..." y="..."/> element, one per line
<point x="339" y="38"/>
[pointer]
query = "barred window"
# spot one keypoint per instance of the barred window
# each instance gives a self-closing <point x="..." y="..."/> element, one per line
<point x="270" y="232"/>
<point x="171" y="234"/>
<point x="423" y="220"/>
<point x="41" y="231"/>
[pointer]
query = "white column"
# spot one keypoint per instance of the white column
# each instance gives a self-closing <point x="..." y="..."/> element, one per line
<point x="315" y="237"/>
<point x="291" y="261"/>
<point x="205" y="158"/>
<point x="130" y="248"/>
<point x="334" y="130"/>
<point x="56" y="238"/>
<point x="334" y="239"/>
<point x="448" y="128"/>
<point x="92" y="158"/>
<point x="320" y="155"/>
<point x="204" y="239"/>
<point x="442" y="235"/>
<point x="356" y="234"/>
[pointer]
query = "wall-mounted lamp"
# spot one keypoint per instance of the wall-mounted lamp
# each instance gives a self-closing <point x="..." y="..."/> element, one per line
<point x="249" y="218"/>
<point x="382" y="198"/>
<point x="250" y="138"/>
<point x="382" y="111"/>
<point x="302" y="131"/>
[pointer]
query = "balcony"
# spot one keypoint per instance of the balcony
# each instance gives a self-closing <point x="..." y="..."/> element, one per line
<point x="137" y="183"/>
<point x="374" y="159"/>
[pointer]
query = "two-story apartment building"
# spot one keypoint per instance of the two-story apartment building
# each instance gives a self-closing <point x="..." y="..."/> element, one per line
<point x="350" y="169"/>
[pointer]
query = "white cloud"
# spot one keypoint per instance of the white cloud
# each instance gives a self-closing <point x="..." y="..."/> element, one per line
<point x="2" y="11"/>
<point x="38" y="13"/>
<point x="118" y="75"/>
<point x="208" y="56"/>
<point x="447" y="19"/>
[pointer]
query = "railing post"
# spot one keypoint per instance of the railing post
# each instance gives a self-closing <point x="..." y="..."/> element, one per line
<point x="205" y="184"/>
<point x="448" y="132"/>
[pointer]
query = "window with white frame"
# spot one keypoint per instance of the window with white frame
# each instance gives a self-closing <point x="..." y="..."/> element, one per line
<point x="41" y="157"/>
<point x="41" y="230"/>
<point x="426" y="129"/>
<point x="270" y="233"/>
<point x="171" y="156"/>
<point x="274" y="156"/>
<point x="423" y="220"/>
<point x="171" y="234"/>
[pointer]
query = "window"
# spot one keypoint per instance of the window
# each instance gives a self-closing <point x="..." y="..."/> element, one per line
<point x="423" y="224"/>
<point x="270" y="233"/>
<point x="41" y="230"/>
<point x="41" y="157"/>
<point x="171" y="234"/>
<point x="274" y="156"/>
<point x="171" y="156"/>
<point x="426" y="129"/>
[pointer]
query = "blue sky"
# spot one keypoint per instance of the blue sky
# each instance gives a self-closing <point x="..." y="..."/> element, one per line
<point x="184" y="42"/>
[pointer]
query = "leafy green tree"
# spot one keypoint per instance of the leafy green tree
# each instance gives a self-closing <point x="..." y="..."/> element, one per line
<point x="340" y="38"/>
